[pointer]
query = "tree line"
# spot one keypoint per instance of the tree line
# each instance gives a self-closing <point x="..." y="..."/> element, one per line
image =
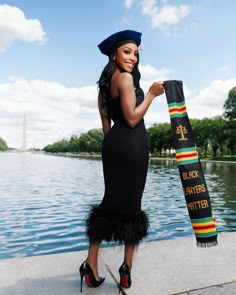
<point x="213" y="136"/>
<point x="90" y="142"/>
<point x="3" y="145"/>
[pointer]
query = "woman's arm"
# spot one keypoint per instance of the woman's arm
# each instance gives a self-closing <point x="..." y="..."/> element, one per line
<point x="132" y="114"/>
<point x="106" y="122"/>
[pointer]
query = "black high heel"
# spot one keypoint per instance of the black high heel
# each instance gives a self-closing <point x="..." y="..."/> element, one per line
<point x="87" y="272"/>
<point x="125" y="276"/>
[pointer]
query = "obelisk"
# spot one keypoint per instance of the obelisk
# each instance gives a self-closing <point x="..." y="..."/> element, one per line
<point x="23" y="147"/>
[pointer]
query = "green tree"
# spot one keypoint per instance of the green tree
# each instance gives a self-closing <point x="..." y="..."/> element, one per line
<point x="217" y="135"/>
<point x="3" y="145"/>
<point x="48" y="148"/>
<point x="63" y="146"/>
<point x="160" y="138"/>
<point x="230" y="105"/>
<point x="153" y="138"/>
<point x="96" y="136"/>
<point x="201" y="134"/>
<point x="230" y="116"/>
<point x="56" y="147"/>
<point x="84" y="143"/>
<point x="167" y="141"/>
<point x="74" y="144"/>
<point x="89" y="142"/>
<point x="197" y="132"/>
<point x="230" y="130"/>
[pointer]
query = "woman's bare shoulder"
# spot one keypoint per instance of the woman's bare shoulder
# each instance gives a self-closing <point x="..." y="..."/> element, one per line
<point x="124" y="78"/>
<point x="124" y="75"/>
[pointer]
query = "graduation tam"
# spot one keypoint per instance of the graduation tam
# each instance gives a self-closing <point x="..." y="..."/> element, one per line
<point x="108" y="45"/>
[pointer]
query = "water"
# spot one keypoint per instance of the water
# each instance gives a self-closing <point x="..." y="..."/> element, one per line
<point x="44" y="200"/>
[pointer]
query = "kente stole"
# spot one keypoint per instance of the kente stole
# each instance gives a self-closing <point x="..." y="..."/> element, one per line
<point x="191" y="174"/>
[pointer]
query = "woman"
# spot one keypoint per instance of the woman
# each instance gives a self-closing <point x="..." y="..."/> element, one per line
<point x="119" y="216"/>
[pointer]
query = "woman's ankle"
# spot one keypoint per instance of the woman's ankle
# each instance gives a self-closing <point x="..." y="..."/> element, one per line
<point x="94" y="267"/>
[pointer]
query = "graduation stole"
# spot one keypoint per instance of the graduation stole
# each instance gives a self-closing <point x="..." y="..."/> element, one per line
<point x="190" y="170"/>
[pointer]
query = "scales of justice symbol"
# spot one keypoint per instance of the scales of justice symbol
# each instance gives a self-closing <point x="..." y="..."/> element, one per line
<point x="182" y="130"/>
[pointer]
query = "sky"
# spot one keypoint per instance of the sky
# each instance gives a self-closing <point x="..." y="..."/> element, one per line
<point x="50" y="62"/>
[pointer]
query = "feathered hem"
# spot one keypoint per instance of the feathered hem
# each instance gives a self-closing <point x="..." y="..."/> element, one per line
<point x="121" y="229"/>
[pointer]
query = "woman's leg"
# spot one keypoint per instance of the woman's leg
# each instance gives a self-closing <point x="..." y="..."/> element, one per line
<point x="125" y="268"/>
<point x="128" y="255"/>
<point x="92" y="258"/>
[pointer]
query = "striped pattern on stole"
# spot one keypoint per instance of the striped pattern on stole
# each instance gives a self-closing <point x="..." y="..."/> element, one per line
<point x="189" y="165"/>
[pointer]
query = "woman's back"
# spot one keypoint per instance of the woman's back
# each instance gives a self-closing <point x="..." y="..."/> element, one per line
<point x="115" y="108"/>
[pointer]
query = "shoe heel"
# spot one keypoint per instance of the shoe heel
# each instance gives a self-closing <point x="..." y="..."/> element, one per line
<point x="125" y="276"/>
<point x="119" y="286"/>
<point x="81" y="283"/>
<point x="86" y="271"/>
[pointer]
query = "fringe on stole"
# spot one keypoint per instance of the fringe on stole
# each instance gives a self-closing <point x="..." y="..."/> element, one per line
<point x="207" y="245"/>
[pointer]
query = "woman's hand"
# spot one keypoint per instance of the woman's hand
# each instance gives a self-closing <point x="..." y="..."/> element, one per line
<point x="132" y="113"/>
<point x="157" y="88"/>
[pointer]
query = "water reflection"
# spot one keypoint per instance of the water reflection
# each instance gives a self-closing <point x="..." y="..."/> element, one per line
<point x="222" y="186"/>
<point x="220" y="180"/>
<point x="44" y="200"/>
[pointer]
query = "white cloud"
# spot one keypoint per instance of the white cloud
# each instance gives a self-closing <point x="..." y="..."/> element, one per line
<point x="128" y="3"/>
<point x="207" y="103"/>
<point x="210" y="100"/>
<point x="166" y="15"/>
<point x="150" y="73"/>
<point x="15" y="26"/>
<point x="53" y="111"/>
<point x="158" y="111"/>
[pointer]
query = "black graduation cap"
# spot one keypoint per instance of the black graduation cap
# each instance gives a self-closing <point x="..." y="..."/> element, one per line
<point x="108" y="45"/>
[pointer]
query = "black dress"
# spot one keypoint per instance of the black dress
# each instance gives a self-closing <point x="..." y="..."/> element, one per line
<point x="119" y="217"/>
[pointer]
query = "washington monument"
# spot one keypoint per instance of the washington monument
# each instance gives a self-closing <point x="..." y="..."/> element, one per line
<point x="23" y="147"/>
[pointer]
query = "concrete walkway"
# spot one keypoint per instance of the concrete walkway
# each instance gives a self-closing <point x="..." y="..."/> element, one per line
<point x="160" y="268"/>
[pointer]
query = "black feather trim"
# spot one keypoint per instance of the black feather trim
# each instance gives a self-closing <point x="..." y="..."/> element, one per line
<point x="128" y="229"/>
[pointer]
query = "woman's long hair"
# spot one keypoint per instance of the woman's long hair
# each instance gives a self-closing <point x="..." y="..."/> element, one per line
<point x="105" y="79"/>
